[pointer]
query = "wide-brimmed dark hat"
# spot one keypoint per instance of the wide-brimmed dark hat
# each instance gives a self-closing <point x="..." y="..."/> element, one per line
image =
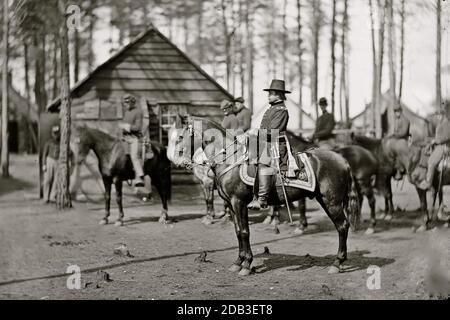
<point x="323" y="102"/>
<point x="239" y="99"/>
<point x="277" y="85"/>
<point x="397" y="107"/>
<point x="129" y="97"/>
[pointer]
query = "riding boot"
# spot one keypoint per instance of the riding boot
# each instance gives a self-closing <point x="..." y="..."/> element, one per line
<point x="265" y="183"/>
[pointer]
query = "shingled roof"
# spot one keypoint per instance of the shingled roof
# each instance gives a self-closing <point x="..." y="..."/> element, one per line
<point x="151" y="66"/>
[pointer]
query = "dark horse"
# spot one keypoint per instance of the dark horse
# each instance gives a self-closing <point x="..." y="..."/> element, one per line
<point x="115" y="167"/>
<point x="364" y="168"/>
<point x="335" y="190"/>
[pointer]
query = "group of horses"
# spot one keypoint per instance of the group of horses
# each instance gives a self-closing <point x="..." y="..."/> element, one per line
<point x="344" y="176"/>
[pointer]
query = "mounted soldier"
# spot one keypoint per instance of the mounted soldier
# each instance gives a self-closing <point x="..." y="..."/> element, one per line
<point x="441" y="144"/>
<point x="276" y="117"/>
<point x="243" y="115"/>
<point x="398" y="139"/>
<point x="323" y="135"/>
<point x="132" y="131"/>
<point x="229" y="120"/>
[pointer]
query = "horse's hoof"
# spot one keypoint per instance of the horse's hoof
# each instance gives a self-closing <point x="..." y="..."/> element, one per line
<point x="388" y="217"/>
<point x="447" y="225"/>
<point x="235" y="268"/>
<point x="267" y="220"/>
<point x="207" y="220"/>
<point x="118" y="223"/>
<point x="244" y="272"/>
<point x="333" y="270"/>
<point x="369" y="231"/>
<point x="299" y="231"/>
<point x="103" y="222"/>
<point x="422" y="228"/>
<point x="162" y="220"/>
<point x="275" y="221"/>
<point x="382" y="216"/>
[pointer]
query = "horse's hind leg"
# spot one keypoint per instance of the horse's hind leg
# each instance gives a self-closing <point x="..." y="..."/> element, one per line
<point x="118" y="185"/>
<point x="107" y="182"/>
<point x="336" y="214"/>
<point x="373" y="221"/>
<point x="245" y="252"/>
<point x="303" y="222"/>
<point x="237" y="264"/>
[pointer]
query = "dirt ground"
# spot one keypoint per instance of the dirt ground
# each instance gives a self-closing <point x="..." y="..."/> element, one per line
<point x="38" y="244"/>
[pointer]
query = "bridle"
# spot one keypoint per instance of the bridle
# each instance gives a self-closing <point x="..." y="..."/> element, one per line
<point x="210" y="162"/>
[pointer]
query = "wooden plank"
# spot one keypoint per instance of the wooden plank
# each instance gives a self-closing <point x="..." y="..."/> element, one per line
<point x="145" y="84"/>
<point x="167" y="95"/>
<point x="151" y="52"/>
<point x="154" y="45"/>
<point x="133" y="65"/>
<point x="154" y="58"/>
<point x="149" y="74"/>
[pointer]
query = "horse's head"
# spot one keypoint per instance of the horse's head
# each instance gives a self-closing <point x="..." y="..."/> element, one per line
<point x="82" y="143"/>
<point x="180" y="138"/>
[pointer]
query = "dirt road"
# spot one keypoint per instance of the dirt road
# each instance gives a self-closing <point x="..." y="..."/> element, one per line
<point x="38" y="244"/>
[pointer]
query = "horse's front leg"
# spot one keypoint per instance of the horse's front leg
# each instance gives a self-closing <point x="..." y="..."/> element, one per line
<point x="389" y="202"/>
<point x="424" y="208"/>
<point x="303" y="222"/>
<point x="107" y="183"/>
<point x="118" y="185"/>
<point x="208" y="190"/>
<point x="237" y="264"/>
<point x="246" y="255"/>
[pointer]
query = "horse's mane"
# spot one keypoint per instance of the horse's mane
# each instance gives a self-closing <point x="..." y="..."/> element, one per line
<point x="367" y="142"/>
<point x="297" y="136"/>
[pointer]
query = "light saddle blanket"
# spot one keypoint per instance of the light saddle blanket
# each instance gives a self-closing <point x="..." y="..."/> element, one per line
<point x="291" y="181"/>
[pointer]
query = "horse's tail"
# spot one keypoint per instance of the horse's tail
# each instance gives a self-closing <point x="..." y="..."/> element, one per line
<point x="352" y="207"/>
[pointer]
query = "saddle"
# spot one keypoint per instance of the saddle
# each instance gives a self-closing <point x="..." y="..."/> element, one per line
<point x="301" y="160"/>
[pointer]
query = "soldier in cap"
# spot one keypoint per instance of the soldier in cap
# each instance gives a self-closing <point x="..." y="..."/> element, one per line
<point x="243" y="115"/>
<point x="323" y="135"/>
<point x="276" y="117"/>
<point x="229" y="120"/>
<point x="132" y="131"/>
<point x="441" y="142"/>
<point x="50" y="157"/>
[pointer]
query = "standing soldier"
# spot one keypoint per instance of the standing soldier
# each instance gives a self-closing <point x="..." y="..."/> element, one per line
<point x="276" y="117"/>
<point x="229" y="120"/>
<point x="243" y="115"/>
<point x="132" y="131"/>
<point x="442" y="145"/>
<point x="50" y="157"/>
<point x="323" y="135"/>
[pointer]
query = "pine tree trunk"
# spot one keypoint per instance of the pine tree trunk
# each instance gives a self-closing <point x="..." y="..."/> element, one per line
<point x="285" y="40"/>
<point x="91" y="58"/>
<point x="55" y="68"/>
<point x="300" y="62"/>
<point x="227" y="45"/>
<point x="32" y="143"/>
<point x="63" y="199"/>
<point x="5" y="82"/>
<point x="374" y="68"/>
<point x="333" y="59"/>
<point x="382" y="15"/>
<point x="402" y="48"/>
<point x="344" y="69"/>
<point x="438" y="55"/>
<point x="76" y="56"/>
<point x="249" y="54"/>
<point x="200" y="32"/>
<point x="315" y="49"/>
<point x="391" y="46"/>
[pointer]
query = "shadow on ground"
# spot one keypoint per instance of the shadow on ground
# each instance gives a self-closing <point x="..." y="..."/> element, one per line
<point x="8" y="185"/>
<point x="356" y="261"/>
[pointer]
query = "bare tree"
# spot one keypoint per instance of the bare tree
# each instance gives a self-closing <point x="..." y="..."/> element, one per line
<point x="63" y="199"/>
<point x="379" y="73"/>
<point x="5" y="89"/>
<point x="249" y="52"/>
<point x="438" y="54"/>
<point x="333" y="58"/>
<point x="375" y="114"/>
<point x="227" y="40"/>
<point x="391" y="48"/>
<point x="284" y="40"/>
<point x="344" y="92"/>
<point x="300" y="62"/>
<point x="402" y="48"/>
<point x="315" y="26"/>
